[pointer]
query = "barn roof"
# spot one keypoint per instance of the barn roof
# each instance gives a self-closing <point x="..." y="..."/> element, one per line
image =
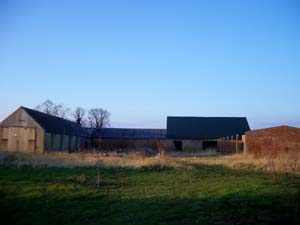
<point x="54" y="124"/>
<point x="127" y="133"/>
<point x="206" y="127"/>
<point x="177" y="128"/>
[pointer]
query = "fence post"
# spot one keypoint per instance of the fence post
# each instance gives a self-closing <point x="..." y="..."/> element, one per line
<point x="245" y="146"/>
<point x="232" y="145"/>
<point x="237" y="144"/>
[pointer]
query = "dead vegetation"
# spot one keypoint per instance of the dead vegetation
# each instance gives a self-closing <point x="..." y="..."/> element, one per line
<point x="280" y="164"/>
<point x="66" y="160"/>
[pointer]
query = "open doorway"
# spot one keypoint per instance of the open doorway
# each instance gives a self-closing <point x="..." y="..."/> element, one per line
<point x="209" y="145"/>
<point x="178" y="145"/>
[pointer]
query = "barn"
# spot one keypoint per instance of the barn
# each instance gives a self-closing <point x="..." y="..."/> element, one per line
<point x="278" y="139"/>
<point x="204" y="133"/>
<point x="28" y="130"/>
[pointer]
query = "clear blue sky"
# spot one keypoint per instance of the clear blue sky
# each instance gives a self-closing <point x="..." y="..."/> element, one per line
<point x="144" y="60"/>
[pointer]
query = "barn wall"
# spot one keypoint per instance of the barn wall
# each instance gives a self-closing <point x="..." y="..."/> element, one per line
<point x="56" y="141"/>
<point x="62" y="143"/>
<point x="40" y="140"/>
<point x="2" y="144"/>
<point x="187" y="145"/>
<point x="230" y="146"/>
<point x="111" y="144"/>
<point x="219" y="146"/>
<point x="73" y="144"/>
<point x="21" y="139"/>
<point x="280" y="139"/>
<point x="20" y="118"/>
<point x="65" y="143"/>
<point x="26" y="141"/>
<point x="85" y="143"/>
<point x="191" y="145"/>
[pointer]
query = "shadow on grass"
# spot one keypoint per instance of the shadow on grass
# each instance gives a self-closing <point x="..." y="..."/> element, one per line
<point x="99" y="207"/>
<point x="116" y="177"/>
<point x="229" y="209"/>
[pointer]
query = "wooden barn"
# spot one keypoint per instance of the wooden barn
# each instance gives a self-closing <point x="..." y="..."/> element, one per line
<point x="28" y="130"/>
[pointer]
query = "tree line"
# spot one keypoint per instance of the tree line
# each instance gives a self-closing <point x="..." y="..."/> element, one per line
<point x="94" y="118"/>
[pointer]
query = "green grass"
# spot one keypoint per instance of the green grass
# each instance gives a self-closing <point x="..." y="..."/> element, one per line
<point x="205" y="195"/>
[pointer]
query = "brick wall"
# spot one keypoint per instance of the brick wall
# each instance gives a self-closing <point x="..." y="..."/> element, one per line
<point x="279" y="139"/>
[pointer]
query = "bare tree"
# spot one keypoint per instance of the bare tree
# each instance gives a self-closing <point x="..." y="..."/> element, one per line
<point x="78" y="115"/>
<point x="85" y="122"/>
<point x="99" y="118"/>
<point x="46" y="107"/>
<point x="63" y="112"/>
<point x="53" y="109"/>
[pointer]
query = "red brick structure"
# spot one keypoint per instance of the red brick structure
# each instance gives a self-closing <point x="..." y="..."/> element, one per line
<point x="279" y="139"/>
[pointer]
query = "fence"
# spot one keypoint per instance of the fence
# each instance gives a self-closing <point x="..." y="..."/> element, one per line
<point x="230" y="146"/>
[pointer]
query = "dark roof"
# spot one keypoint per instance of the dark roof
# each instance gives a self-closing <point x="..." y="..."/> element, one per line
<point x="206" y="127"/>
<point x="177" y="128"/>
<point x="53" y="124"/>
<point x="126" y="133"/>
<point x="89" y="131"/>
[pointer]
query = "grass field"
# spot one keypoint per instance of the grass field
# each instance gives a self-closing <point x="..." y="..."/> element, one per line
<point x="153" y="194"/>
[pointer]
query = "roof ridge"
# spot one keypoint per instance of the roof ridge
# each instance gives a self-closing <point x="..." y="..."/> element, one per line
<point x="46" y="114"/>
<point x="223" y="117"/>
<point x="265" y="128"/>
<point x="120" y="128"/>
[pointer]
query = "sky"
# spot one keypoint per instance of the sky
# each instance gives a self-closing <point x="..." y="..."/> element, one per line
<point x="145" y="60"/>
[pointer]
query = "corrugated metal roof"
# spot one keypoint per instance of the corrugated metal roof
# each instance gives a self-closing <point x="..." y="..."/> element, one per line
<point x="55" y="124"/>
<point x="127" y="133"/>
<point x="206" y="127"/>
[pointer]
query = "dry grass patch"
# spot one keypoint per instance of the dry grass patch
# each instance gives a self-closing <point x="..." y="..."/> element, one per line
<point x="66" y="160"/>
<point x="283" y="163"/>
